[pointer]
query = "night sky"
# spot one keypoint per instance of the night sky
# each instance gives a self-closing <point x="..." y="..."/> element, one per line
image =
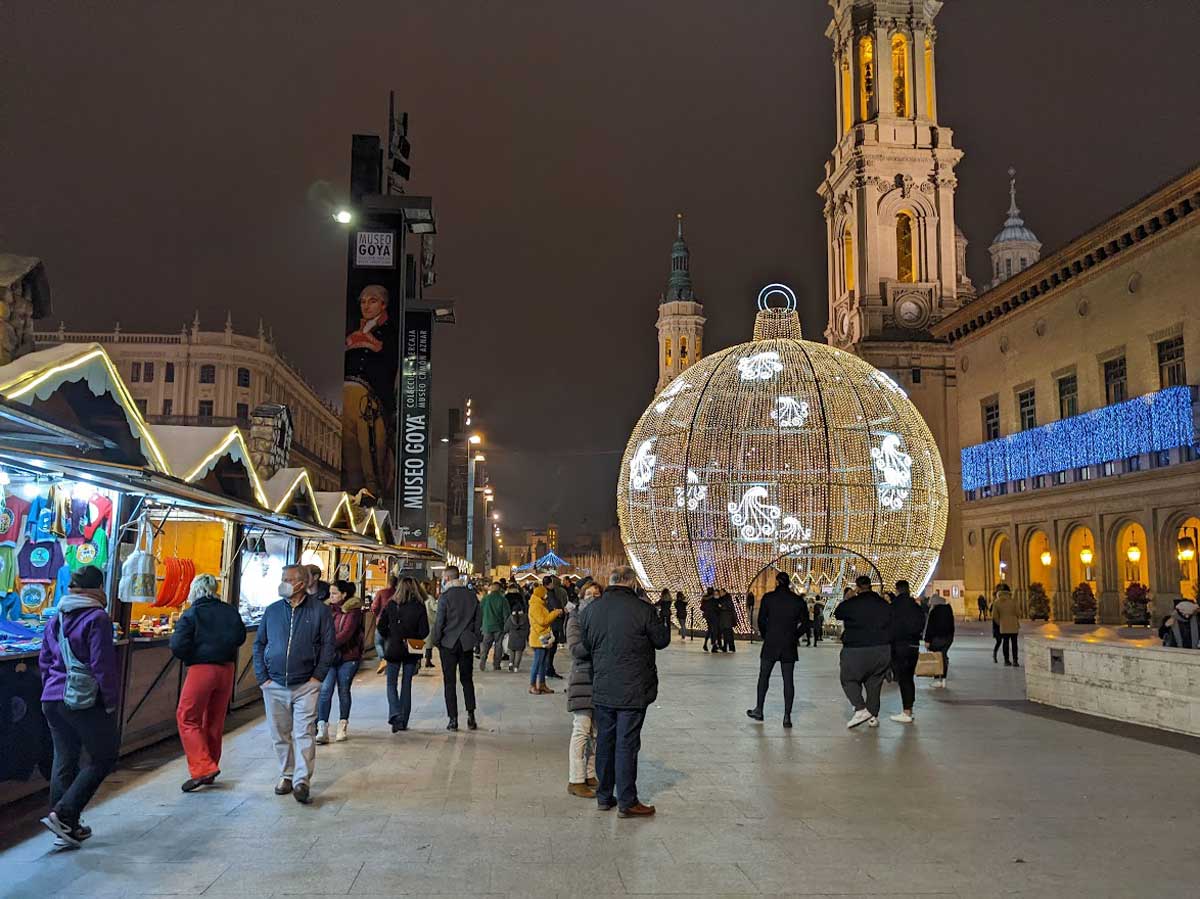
<point x="159" y="161"/>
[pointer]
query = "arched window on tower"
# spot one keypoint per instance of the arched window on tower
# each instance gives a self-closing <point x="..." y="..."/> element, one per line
<point x="900" y="75"/>
<point x="866" y="75"/>
<point x="697" y="349"/>
<point x="683" y="356"/>
<point x="667" y="353"/>
<point x="848" y="258"/>
<point x="905" y="269"/>
<point x="930" y="108"/>
<point x="847" y="98"/>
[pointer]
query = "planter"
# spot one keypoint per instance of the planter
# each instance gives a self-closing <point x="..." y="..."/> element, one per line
<point x="1137" y="615"/>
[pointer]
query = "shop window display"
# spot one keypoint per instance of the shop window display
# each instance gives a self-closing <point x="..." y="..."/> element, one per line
<point x="184" y="546"/>
<point x="262" y="560"/>
<point x="49" y="528"/>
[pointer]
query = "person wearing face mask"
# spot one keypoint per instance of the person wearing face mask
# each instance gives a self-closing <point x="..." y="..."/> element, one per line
<point x="293" y="652"/>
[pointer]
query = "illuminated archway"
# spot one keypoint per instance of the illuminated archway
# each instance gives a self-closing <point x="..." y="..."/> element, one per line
<point x="866" y="76"/>
<point x="1082" y="557"/>
<point x="906" y="269"/>
<point x="1040" y="565"/>
<point x="1186" y="548"/>
<point x="847" y="98"/>
<point x="1002" y="570"/>
<point x="930" y="101"/>
<point x="1131" y="554"/>
<point x="900" y="100"/>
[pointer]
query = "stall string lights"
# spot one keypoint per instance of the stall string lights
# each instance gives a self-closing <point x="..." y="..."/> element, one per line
<point x="780" y="453"/>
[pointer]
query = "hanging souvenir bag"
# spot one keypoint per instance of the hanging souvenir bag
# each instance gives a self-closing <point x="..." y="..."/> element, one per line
<point x="137" y="572"/>
<point x="81" y="690"/>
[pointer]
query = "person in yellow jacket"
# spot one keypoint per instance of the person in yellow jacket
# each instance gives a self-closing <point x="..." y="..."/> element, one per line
<point x="540" y="638"/>
<point x="1006" y="614"/>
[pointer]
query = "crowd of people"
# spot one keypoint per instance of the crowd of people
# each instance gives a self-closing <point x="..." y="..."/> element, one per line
<point x="310" y="645"/>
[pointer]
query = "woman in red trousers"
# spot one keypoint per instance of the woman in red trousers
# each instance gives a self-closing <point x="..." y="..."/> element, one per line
<point x="206" y="639"/>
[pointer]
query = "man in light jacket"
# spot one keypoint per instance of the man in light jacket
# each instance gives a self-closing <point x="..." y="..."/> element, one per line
<point x="619" y="634"/>
<point x="293" y="651"/>
<point x="456" y="634"/>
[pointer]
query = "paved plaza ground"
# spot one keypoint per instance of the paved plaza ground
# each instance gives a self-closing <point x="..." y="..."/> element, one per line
<point x="986" y="795"/>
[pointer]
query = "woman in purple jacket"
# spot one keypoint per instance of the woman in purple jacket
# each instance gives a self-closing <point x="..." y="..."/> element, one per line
<point x="83" y="617"/>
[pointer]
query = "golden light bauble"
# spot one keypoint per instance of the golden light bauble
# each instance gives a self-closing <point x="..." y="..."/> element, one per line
<point x="781" y="454"/>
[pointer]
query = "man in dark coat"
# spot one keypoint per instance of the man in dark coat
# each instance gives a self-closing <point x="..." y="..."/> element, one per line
<point x="708" y="611"/>
<point x="908" y="624"/>
<point x="455" y="634"/>
<point x="782" y="619"/>
<point x="726" y="619"/>
<point x="620" y="633"/>
<point x="866" y="649"/>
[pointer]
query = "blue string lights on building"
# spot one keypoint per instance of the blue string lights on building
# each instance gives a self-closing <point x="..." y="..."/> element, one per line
<point x="1151" y="423"/>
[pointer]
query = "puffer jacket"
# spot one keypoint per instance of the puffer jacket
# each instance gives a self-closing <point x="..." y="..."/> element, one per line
<point x="516" y="626"/>
<point x="348" y="628"/>
<point x="579" y="683"/>
<point x="541" y="619"/>
<point x="208" y="633"/>
<point x="619" y="635"/>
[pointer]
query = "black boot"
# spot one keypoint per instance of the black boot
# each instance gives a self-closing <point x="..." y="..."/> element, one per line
<point x="756" y="714"/>
<point x="471" y="723"/>
<point x="453" y="725"/>
<point x="787" y="719"/>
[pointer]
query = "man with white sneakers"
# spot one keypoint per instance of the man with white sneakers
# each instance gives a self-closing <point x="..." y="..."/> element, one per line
<point x="866" y="649"/>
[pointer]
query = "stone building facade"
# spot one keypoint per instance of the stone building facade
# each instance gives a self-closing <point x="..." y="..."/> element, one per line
<point x="1076" y="413"/>
<point x="219" y="378"/>
<point x="895" y="256"/>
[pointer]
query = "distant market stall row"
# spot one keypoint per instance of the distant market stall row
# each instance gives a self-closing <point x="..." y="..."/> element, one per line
<point x="85" y="480"/>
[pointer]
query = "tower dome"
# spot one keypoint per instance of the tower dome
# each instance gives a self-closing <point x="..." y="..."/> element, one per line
<point x="781" y="453"/>
<point x="1016" y="247"/>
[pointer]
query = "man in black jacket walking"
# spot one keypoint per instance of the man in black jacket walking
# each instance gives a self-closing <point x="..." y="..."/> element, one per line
<point x="866" y="649"/>
<point x="620" y="634"/>
<point x="455" y="634"/>
<point x="782" y="618"/>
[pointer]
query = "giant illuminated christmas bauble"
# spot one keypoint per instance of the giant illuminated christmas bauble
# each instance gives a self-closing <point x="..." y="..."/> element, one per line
<point x="781" y="454"/>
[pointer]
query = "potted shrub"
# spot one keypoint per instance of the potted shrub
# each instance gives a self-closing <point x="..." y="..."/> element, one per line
<point x="1137" y="605"/>
<point x="1039" y="602"/>
<point x="1083" y="604"/>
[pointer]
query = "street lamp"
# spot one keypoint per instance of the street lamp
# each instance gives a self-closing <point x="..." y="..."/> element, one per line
<point x="343" y="217"/>
<point x="1086" y="555"/>
<point x="1134" y="553"/>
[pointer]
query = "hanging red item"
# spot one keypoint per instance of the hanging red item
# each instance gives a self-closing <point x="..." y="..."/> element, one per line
<point x="170" y="583"/>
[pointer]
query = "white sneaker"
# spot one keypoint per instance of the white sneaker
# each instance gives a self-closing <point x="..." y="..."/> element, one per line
<point x="874" y="722"/>
<point x="322" y="732"/>
<point x="862" y="716"/>
<point x="902" y="718"/>
<point x="343" y="731"/>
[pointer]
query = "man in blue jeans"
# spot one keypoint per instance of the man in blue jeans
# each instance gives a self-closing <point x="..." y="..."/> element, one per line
<point x="620" y="634"/>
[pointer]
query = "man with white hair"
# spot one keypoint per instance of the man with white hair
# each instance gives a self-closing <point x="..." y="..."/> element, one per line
<point x="456" y="634"/>
<point x="619" y="635"/>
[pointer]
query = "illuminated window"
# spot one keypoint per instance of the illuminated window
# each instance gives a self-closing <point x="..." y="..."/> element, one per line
<point x="698" y="347"/>
<point x="848" y="257"/>
<point x="208" y="374"/>
<point x="1068" y="396"/>
<point x="866" y="76"/>
<point x="900" y="75"/>
<point x="991" y="420"/>
<point x="1171" y="371"/>
<point x="930" y="107"/>
<point x="683" y="357"/>
<point x="1027" y="409"/>
<point x="905" y="270"/>
<point x="847" y="98"/>
<point x="1116" y="387"/>
<point x="667" y="353"/>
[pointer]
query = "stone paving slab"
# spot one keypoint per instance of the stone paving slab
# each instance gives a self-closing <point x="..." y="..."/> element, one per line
<point x="986" y="795"/>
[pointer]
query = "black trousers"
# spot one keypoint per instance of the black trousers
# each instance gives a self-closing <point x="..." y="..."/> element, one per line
<point x="618" y="741"/>
<point x="94" y="730"/>
<point x="682" y="619"/>
<point x="864" y="667"/>
<point x="904" y="666"/>
<point x="766" y="667"/>
<point x="1008" y="640"/>
<point x="462" y="661"/>
<point x="711" y="635"/>
<point x="727" y="639"/>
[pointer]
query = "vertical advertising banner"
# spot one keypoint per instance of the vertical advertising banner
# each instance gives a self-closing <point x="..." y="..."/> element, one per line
<point x="372" y="360"/>
<point x="456" y="487"/>
<point x="416" y="386"/>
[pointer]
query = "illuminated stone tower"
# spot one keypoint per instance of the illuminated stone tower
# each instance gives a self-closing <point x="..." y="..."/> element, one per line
<point x="680" y="316"/>
<point x="893" y="247"/>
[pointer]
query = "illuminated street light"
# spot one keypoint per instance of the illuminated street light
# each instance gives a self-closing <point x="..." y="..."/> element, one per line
<point x="1046" y="558"/>
<point x="1134" y="553"/>
<point x="1086" y="555"/>
<point x="475" y="440"/>
<point x="343" y="217"/>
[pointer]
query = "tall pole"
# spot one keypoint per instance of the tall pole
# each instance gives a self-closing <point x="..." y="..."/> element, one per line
<point x="470" y="505"/>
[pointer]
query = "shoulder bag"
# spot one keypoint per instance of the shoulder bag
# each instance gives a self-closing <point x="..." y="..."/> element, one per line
<point x="81" y="690"/>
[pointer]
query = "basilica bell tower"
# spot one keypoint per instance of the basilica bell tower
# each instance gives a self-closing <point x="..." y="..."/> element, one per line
<point x="893" y="249"/>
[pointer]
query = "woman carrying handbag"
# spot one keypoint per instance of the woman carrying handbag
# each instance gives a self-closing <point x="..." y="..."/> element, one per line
<point x="939" y="634"/>
<point x="403" y="627"/>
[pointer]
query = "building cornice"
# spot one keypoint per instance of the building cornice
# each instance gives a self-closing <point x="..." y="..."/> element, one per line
<point x="1165" y="213"/>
